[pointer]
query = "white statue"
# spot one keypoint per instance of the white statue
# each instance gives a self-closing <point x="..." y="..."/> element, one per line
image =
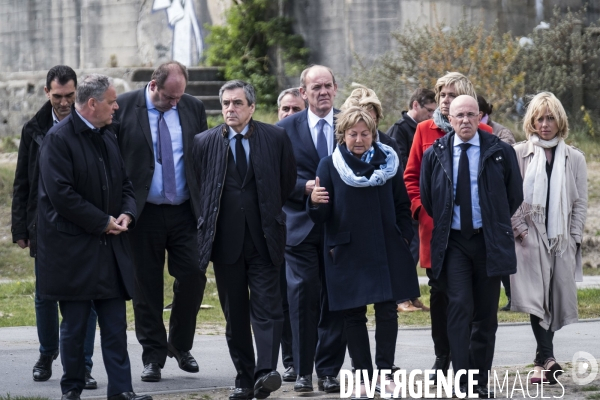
<point x="182" y="17"/>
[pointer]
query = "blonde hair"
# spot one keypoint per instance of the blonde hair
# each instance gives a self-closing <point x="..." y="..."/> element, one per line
<point x="537" y="107"/>
<point x="462" y="85"/>
<point x="349" y="118"/>
<point x="365" y="98"/>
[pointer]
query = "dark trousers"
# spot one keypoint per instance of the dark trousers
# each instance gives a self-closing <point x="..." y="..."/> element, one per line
<point x="472" y="299"/>
<point x="113" y="326"/>
<point x="386" y="333"/>
<point x="259" y="309"/>
<point x="318" y="333"/>
<point x="170" y="228"/>
<point x="46" y="319"/>
<point x="287" y="356"/>
<point x="438" y="312"/>
<point x="415" y="243"/>
<point x="543" y="339"/>
<point x="506" y="283"/>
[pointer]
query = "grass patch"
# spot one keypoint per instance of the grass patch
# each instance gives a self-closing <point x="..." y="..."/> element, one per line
<point x="591" y="271"/>
<point x="595" y="396"/>
<point x="590" y="388"/>
<point x="9" y="397"/>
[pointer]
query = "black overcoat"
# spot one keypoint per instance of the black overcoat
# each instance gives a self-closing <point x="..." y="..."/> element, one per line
<point x="367" y="260"/>
<point x="500" y="195"/>
<point x="274" y="167"/>
<point x="24" y="203"/>
<point x="79" y="188"/>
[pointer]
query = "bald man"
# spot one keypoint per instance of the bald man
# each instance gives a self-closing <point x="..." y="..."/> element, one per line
<point x="478" y="187"/>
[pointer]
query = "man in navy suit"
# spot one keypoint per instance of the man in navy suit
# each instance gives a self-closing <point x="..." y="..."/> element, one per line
<point x="318" y="333"/>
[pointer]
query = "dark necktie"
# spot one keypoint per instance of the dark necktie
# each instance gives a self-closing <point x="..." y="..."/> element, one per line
<point x="240" y="156"/>
<point x="322" y="149"/>
<point x="165" y="158"/>
<point x="463" y="193"/>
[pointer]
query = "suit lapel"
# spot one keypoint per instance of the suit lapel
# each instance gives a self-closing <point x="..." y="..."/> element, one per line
<point x="304" y="131"/>
<point x="141" y="112"/>
<point x="185" y="122"/>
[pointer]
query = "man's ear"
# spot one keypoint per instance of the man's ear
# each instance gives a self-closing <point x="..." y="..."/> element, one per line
<point x="415" y="105"/>
<point x="303" y="92"/>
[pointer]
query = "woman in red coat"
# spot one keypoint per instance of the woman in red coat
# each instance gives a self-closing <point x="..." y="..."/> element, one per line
<point x="447" y="88"/>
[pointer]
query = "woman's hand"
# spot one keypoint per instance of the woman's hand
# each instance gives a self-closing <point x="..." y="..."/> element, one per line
<point x="319" y="195"/>
<point x="523" y="235"/>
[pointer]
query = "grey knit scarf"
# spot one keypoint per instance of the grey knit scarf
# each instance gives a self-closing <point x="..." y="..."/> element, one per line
<point x="441" y="121"/>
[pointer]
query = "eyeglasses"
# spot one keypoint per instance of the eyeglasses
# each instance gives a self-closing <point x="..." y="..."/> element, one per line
<point x="429" y="109"/>
<point x="462" y="116"/>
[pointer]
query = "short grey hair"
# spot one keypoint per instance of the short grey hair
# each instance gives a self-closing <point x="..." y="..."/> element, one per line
<point x="92" y="86"/>
<point x="232" y="85"/>
<point x="294" y="92"/>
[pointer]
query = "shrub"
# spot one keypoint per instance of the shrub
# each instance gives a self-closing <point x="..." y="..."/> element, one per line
<point x="247" y="46"/>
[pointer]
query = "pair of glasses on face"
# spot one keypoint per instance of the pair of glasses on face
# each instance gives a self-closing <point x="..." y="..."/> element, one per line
<point x="430" y="110"/>
<point x="462" y="116"/>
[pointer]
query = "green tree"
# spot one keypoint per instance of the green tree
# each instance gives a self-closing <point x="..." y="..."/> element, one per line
<point x="247" y="47"/>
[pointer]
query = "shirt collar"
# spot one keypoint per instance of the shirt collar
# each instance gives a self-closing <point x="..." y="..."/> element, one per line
<point x="232" y="133"/>
<point x="92" y="127"/>
<point x="55" y="119"/>
<point x="149" y="104"/>
<point x="474" y="140"/>
<point x="313" y="119"/>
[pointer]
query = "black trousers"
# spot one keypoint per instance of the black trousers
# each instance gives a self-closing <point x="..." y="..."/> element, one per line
<point x="250" y="297"/>
<point x="287" y="356"/>
<point x="386" y="333"/>
<point x="113" y="339"/>
<point x="438" y="312"/>
<point x="472" y="299"/>
<point x="543" y="338"/>
<point x="170" y="228"/>
<point x="319" y="336"/>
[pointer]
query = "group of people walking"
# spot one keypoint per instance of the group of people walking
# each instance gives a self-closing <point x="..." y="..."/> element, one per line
<point x="306" y="222"/>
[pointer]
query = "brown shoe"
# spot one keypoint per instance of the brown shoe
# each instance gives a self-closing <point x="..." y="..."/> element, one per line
<point x="419" y="304"/>
<point x="407" y="306"/>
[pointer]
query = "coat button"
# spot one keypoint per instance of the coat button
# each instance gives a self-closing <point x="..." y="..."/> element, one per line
<point x="242" y="208"/>
<point x="215" y="209"/>
<point x="218" y="185"/>
<point x="100" y="159"/>
<point x="210" y="233"/>
<point x="146" y="187"/>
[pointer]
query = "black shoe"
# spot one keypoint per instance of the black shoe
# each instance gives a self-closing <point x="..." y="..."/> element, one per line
<point x="290" y="374"/>
<point x="441" y="364"/>
<point x="483" y="392"/>
<point x="71" y="395"/>
<point x="328" y="384"/>
<point x="303" y="384"/>
<point x="507" y="306"/>
<point x="130" y="396"/>
<point x="90" y="382"/>
<point x="184" y="359"/>
<point x="266" y="384"/>
<point x="151" y="372"/>
<point x="242" y="394"/>
<point x="42" y="370"/>
<point x="464" y="389"/>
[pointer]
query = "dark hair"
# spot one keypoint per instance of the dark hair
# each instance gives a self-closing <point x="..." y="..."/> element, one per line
<point x="422" y="96"/>
<point x="161" y="73"/>
<point x="294" y="92"/>
<point x="231" y="85"/>
<point x="484" y="106"/>
<point x="62" y="73"/>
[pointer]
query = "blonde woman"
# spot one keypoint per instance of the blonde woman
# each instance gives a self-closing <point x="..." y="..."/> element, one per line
<point x="548" y="227"/>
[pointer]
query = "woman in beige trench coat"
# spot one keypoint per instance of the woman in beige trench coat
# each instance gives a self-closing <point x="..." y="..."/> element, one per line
<point x="549" y="228"/>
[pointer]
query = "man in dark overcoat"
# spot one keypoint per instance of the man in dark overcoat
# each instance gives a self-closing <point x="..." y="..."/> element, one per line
<point x="86" y="203"/>
<point x="471" y="185"/>
<point x="61" y="82"/>
<point x="156" y="130"/>
<point x="245" y="170"/>
<point x="318" y="336"/>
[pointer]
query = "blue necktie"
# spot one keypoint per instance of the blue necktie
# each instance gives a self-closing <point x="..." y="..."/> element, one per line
<point x="463" y="192"/>
<point x="165" y="158"/>
<point x="322" y="149"/>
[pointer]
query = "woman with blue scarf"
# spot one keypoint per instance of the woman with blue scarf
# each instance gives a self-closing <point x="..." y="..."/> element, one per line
<point x="362" y="200"/>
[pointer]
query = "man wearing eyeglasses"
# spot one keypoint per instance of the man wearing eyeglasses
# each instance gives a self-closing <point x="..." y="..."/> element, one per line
<point x="471" y="186"/>
<point x="447" y="88"/>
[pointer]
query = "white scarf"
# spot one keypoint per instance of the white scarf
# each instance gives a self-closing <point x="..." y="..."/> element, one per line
<point x="379" y="176"/>
<point x="535" y="190"/>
